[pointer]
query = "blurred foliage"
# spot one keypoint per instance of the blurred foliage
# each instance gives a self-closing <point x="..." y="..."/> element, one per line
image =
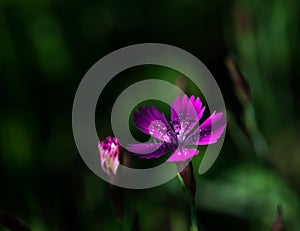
<point x="46" y="47"/>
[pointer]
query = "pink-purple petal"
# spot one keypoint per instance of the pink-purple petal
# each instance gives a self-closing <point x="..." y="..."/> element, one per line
<point x="182" y="154"/>
<point x="209" y="131"/>
<point x="213" y="138"/>
<point x="198" y="106"/>
<point x="152" y="122"/>
<point x="150" y="150"/>
<point x="187" y="112"/>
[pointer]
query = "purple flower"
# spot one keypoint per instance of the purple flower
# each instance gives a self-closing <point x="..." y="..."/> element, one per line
<point x="109" y="150"/>
<point x="181" y="135"/>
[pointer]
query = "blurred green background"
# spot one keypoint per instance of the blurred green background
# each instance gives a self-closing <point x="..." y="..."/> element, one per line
<point x="46" y="47"/>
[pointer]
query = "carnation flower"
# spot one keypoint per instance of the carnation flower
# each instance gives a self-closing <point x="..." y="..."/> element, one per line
<point x="181" y="135"/>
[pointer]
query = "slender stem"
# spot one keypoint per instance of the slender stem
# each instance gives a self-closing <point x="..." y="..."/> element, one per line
<point x="193" y="209"/>
<point x="194" y="219"/>
<point x="188" y="182"/>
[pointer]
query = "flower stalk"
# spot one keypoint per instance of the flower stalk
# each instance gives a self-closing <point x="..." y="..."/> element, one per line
<point x="187" y="179"/>
<point x="186" y="176"/>
<point x="194" y="219"/>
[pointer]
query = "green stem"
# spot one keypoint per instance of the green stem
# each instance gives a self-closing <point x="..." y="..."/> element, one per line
<point x="194" y="219"/>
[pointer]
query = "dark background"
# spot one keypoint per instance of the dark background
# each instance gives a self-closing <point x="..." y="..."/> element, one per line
<point x="46" y="47"/>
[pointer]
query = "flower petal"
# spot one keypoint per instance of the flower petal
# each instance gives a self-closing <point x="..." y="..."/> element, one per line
<point x="152" y="122"/>
<point x="187" y="112"/>
<point x="150" y="150"/>
<point x="182" y="154"/>
<point x="197" y="106"/>
<point x="204" y="134"/>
